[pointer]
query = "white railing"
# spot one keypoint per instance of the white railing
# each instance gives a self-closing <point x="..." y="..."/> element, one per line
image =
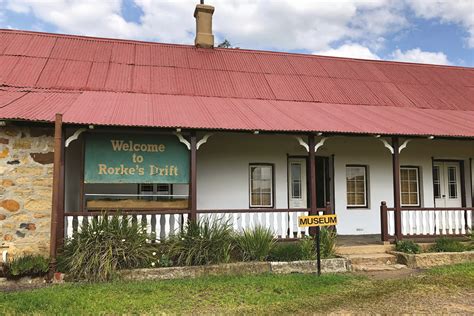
<point x="161" y="224"/>
<point x="158" y="225"/>
<point x="431" y="221"/>
<point x="282" y="224"/>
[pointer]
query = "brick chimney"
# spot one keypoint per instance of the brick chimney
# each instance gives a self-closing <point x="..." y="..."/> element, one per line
<point x="204" y="37"/>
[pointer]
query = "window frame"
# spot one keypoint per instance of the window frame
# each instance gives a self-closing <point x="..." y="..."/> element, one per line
<point x="291" y="183"/>
<point x="272" y="185"/>
<point x="154" y="192"/>
<point x="418" y="184"/>
<point x="366" y="187"/>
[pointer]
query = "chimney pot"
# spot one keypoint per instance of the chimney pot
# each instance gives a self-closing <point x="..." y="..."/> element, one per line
<point x="204" y="37"/>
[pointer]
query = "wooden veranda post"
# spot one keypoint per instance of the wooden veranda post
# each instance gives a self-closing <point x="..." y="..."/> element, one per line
<point x="312" y="180"/>
<point x="383" y="221"/>
<point x="193" y="179"/>
<point x="396" y="188"/>
<point x="57" y="183"/>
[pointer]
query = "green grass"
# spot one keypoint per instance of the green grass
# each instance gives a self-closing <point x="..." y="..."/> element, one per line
<point x="262" y="294"/>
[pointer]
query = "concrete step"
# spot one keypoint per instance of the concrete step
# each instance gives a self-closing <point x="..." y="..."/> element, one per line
<point x="378" y="267"/>
<point x="372" y="259"/>
<point x="363" y="249"/>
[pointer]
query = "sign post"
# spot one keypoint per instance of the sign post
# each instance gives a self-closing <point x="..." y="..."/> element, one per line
<point x="317" y="221"/>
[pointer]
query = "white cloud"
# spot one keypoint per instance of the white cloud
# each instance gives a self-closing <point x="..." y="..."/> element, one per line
<point x="362" y="25"/>
<point x="448" y="11"/>
<point x="2" y="11"/>
<point x="89" y="17"/>
<point x="416" y="55"/>
<point x="351" y="51"/>
<point x="282" y="25"/>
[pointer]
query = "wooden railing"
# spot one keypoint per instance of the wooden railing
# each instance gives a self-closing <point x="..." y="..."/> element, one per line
<point x="162" y="223"/>
<point x="426" y="222"/>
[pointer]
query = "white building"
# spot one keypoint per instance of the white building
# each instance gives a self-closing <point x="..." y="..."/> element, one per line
<point x="175" y="132"/>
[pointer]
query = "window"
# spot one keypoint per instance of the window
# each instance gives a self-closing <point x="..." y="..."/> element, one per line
<point x="153" y="191"/>
<point x="296" y="180"/>
<point x="409" y="182"/>
<point x="436" y="182"/>
<point x="356" y="180"/>
<point x="261" y="186"/>
<point x="452" y="183"/>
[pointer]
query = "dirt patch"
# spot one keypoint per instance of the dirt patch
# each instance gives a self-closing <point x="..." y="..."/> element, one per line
<point x="436" y="303"/>
<point x="388" y="275"/>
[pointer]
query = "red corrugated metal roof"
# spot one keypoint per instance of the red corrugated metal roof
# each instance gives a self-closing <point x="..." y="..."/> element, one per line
<point x="118" y="82"/>
<point x="171" y="111"/>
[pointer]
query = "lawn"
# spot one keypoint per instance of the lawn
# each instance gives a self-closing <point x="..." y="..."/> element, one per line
<point x="441" y="290"/>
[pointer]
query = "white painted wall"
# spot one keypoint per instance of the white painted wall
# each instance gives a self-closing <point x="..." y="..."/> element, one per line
<point x="223" y="168"/>
<point x="223" y="181"/>
<point x="223" y="171"/>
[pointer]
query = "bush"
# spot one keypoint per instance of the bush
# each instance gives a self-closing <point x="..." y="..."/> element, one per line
<point x="307" y="248"/>
<point x="328" y="243"/>
<point x="444" y="244"/>
<point x="106" y="245"/>
<point x="201" y="243"/>
<point x="407" y="246"/>
<point x="285" y="251"/>
<point x="255" y="244"/>
<point x="29" y="265"/>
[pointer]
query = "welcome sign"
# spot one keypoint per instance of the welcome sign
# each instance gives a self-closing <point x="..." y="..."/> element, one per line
<point x="135" y="158"/>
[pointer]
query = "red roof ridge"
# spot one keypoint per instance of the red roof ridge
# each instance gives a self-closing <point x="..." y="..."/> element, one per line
<point x="243" y="50"/>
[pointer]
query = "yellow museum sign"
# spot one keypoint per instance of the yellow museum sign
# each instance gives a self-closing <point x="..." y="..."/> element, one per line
<point x="317" y="220"/>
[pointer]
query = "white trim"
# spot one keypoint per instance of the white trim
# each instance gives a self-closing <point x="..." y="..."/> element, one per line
<point x="404" y="145"/>
<point x="386" y="144"/>
<point x="302" y="143"/>
<point x="183" y="140"/>
<point x="74" y="136"/>
<point x="320" y="144"/>
<point x="203" y="140"/>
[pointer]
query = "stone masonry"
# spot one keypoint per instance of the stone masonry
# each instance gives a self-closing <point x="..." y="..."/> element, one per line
<point x="26" y="177"/>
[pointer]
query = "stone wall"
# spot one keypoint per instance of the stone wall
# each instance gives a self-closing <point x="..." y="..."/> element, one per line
<point x="26" y="169"/>
<point x="335" y="265"/>
<point x="433" y="259"/>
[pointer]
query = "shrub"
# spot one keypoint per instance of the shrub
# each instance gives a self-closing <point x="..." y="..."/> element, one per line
<point x="407" y="246"/>
<point x="201" y="243"/>
<point x="285" y="251"/>
<point x="29" y="265"/>
<point x="444" y="244"/>
<point x="105" y="245"/>
<point x="328" y="243"/>
<point x="307" y="248"/>
<point x="255" y="244"/>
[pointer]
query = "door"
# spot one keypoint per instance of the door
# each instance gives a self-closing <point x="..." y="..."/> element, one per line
<point x="297" y="182"/>
<point x="323" y="181"/>
<point x="447" y="184"/>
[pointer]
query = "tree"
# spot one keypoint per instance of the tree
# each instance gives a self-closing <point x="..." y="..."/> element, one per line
<point x="225" y="44"/>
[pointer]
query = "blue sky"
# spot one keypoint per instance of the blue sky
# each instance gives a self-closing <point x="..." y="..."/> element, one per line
<point x="427" y="31"/>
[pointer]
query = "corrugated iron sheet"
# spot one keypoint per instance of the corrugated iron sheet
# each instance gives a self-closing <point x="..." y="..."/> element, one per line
<point x="116" y="82"/>
<point x="171" y="111"/>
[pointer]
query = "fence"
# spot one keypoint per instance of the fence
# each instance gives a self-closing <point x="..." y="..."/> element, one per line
<point x="426" y="222"/>
<point x="282" y="222"/>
